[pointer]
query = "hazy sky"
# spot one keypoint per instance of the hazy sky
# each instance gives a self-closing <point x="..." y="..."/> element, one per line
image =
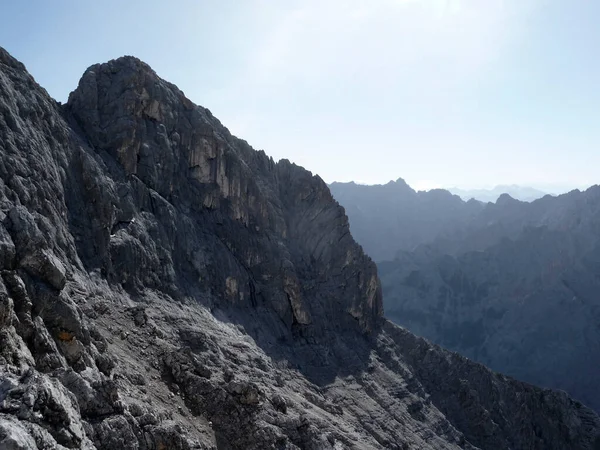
<point x="467" y="93"/>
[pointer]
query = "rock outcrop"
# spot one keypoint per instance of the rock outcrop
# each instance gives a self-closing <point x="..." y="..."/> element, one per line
<point x="165" y="286"/>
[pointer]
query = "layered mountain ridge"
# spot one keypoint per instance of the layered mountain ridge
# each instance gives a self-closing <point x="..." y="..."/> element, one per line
<point x="391" y="218"/>
<point x="387" y="218"/>
<point x="164" y="285"/>
<point x="513" y="285"/>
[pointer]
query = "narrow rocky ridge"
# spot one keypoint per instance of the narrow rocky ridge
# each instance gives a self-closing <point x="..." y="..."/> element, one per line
<point x="165" y="286"/>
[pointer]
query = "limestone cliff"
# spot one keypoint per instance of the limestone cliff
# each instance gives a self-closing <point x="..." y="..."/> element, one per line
<point x="165" y="286"/>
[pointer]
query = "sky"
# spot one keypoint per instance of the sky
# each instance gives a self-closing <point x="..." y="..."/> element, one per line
<point x="442" y="93"/>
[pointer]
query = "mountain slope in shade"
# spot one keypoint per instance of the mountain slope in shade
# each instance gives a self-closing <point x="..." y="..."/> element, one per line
<point x="527" y="305"/>
<point x="165" y="286"/>
<point x="391" y="217"/>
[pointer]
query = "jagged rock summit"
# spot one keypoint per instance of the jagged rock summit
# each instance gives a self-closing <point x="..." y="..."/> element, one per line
<point x="165" y="286"/>
<point x="179" y="152"/>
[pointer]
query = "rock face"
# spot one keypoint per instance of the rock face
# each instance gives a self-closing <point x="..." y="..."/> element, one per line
<point x="182" y="176"/>
<point x="165" y="286"/>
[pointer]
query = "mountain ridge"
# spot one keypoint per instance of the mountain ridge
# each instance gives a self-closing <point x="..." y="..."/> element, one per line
<point x="166" y="286"/>
<point x="385" y="220"/>
<point x="403" y="216"/>
<point x="512" y="285"/>
<point x="526" y="297"/>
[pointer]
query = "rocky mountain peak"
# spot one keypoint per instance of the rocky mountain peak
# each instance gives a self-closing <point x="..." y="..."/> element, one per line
<point x="186" y="157"/>
<point x="164" y="285"/>
<point x="399" y="183"/>
<point x="506" y="199"/>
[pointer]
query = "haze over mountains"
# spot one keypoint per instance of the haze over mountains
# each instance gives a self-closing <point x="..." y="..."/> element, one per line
<point x="391" y="217"/>
<point x="523" y="193"/>
<point x="165" y="286"/>
<point x="511" y="284"/>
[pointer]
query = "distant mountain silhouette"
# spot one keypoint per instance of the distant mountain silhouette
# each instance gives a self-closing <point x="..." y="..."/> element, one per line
<point x="390" y="217"/>
<point x="523" y="193"/>
<point x="511" y="284"/>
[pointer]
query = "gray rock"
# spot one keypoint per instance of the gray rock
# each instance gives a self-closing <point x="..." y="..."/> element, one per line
<point x="279" y="403"/>
<point x="17" y="435"/>
<point x="6" y="307"/>
<point x="39" y="400"/>
<point x="246" y="393"/>
<point x="241" y="265"/>
<point x="7" y="250"/>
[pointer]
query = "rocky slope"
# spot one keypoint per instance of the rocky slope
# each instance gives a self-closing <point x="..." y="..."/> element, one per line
<point x="165" y="286"/>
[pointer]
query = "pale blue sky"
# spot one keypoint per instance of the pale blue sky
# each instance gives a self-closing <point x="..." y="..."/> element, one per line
<point x="467" y="93"/>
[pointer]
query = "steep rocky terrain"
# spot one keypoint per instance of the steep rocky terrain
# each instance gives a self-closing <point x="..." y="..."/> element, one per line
<point x="165" y="286"/>
<point x="527" y="306"/>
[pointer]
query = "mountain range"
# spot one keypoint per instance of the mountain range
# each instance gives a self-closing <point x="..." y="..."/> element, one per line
<point x="391" y="217"/>
<point x="523" y="193"/>
<point x="511" y="284"/>
<point x="165" y="286"/>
